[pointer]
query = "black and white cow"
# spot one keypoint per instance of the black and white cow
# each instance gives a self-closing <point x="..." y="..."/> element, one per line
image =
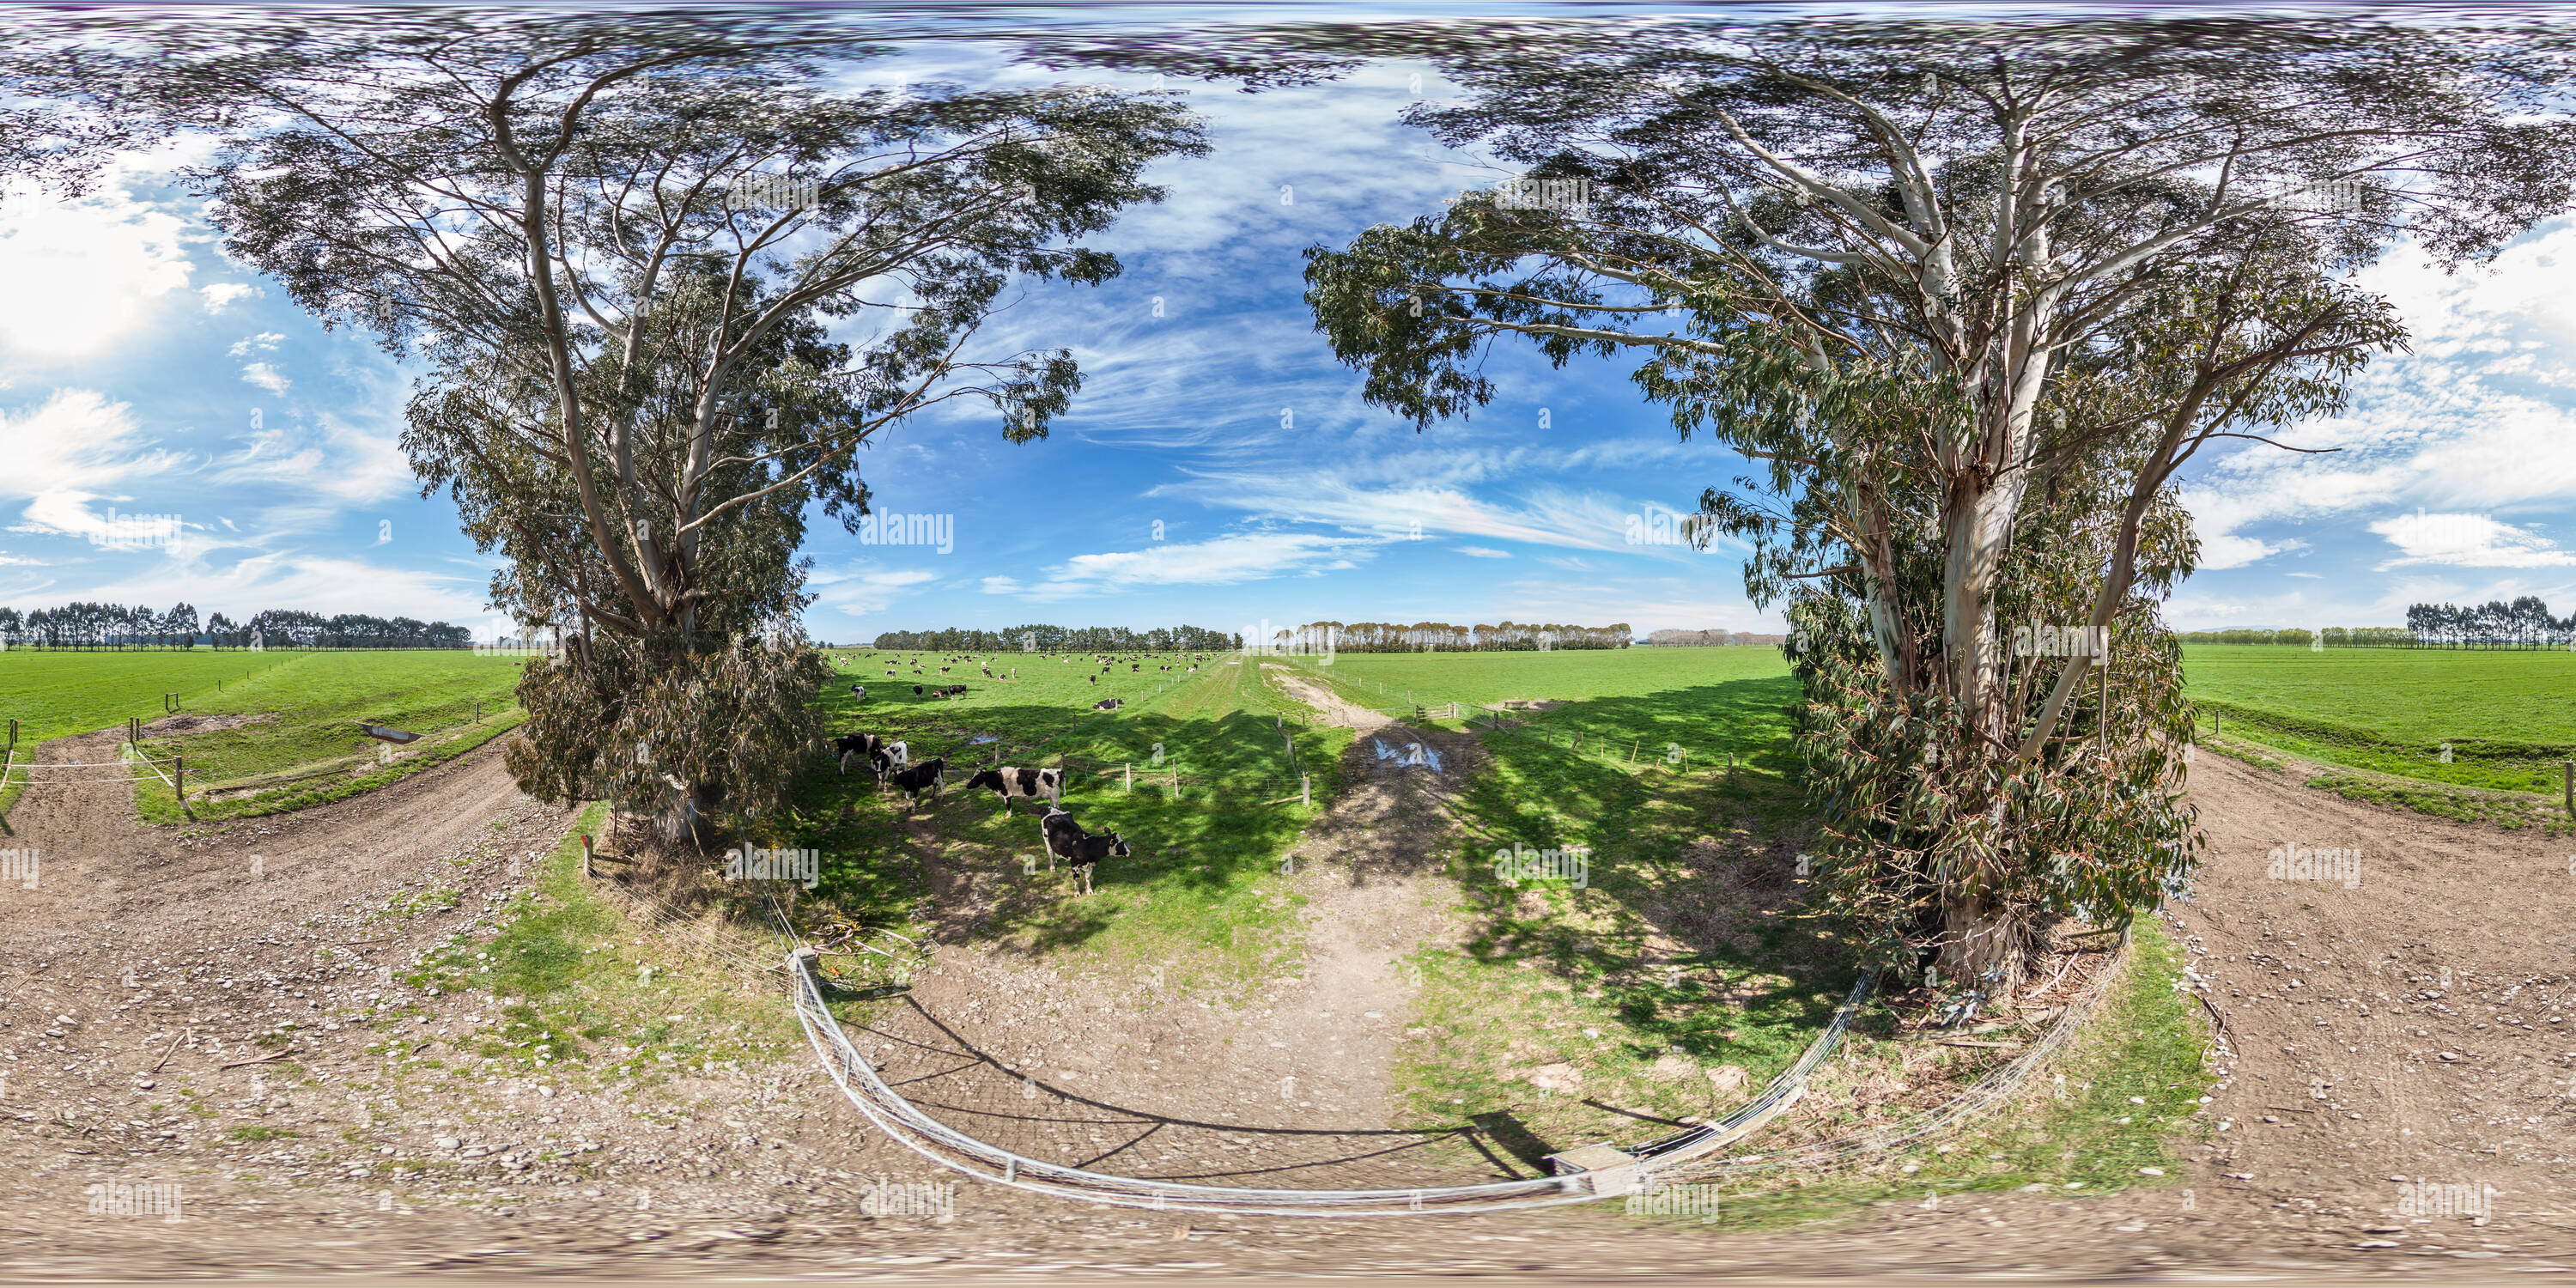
<point x="1090" y="850"/>
<point x="1059" y="833"/>
<point x="1108" y="704"/>
<point x="1017" y="784"/>
<point x="856" y="746"/>
<point x="889" y="758"/>
<point x="924" y="777"/>
<point x="1065" y="839"/>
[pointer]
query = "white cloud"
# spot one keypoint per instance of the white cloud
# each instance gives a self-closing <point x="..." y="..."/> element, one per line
<point x="1223" y="561"/>
<point x="857" y="590"/>
<point x="223" y="295"/>
<point x="80" y="272"/>
<point x="295" y="580"/>
<point x="2467" y="541"/>
<point x="335" y="459"/>
<point x="68" y="452"/>
<point x="1484" y="552"/>
<point x="264" y="342"/>
<point x="266" y="376"/>
<point x="2481" y="416"/>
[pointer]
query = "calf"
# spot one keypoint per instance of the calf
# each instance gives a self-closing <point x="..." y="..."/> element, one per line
<point x="889" y="758"/>
<point x="920" y="778"/>
<point x="860" y="690"/>
<point x="1090" y="850"/>
<point x="862" y="746"/>
<point x="1108" y="704"/>
<point x="1013" y="784"/>
<point x="1059" y="833"/>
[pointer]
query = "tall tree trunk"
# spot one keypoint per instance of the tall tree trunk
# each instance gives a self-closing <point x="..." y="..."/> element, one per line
<point x="1982" y="946"/>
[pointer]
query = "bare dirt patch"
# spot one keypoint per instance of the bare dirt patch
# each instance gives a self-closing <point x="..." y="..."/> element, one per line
<point x="191" y="722"/>
<point x="691" y="1193"/>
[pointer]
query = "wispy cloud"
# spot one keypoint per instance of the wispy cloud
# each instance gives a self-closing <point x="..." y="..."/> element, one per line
<point x="2467" y="541"/>
<point x="266" y="376"/>
<point x="220" y="296"/>
<point x="1224" y="561"/>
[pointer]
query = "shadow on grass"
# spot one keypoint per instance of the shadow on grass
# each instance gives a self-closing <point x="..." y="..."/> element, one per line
<point x="966" y="870"/>
<point x="1679" y="971"/>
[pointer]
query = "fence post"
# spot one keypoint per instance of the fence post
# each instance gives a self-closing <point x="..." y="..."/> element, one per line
<point x="179" y="785"/>
<point x="13" y="733"/>
<point x="1305" y="790"/>
<point x="2567" y="779"/>
<point x="8" y="762"/>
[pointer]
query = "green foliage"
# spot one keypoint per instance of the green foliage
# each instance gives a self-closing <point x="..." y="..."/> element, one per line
<point x="1202" y="899"/>
<point x="648" y="723"/>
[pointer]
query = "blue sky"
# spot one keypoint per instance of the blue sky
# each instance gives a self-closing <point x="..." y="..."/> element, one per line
<point x="1218" y="468"/>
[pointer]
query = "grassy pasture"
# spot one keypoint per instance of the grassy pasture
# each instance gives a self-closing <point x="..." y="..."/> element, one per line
<point x="1201" y="899"/>
<point x="56" y="694"/>
<point x="301" y="745"/>
<point x="1682" y="951"/>
<point x="2508" y="717"/>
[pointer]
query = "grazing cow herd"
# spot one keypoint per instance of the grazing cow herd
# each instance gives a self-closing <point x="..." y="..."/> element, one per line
<point x="890" y="764"/>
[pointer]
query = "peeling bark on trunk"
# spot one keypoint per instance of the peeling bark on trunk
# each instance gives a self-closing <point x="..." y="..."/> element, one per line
<point x="1980" y="938"/>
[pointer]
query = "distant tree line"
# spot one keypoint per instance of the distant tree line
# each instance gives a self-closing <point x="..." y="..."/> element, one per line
<point x="95" y="627"/>
<point x="1685" y="639"/>
<point x="1442" y="637"/>
<point x="1060" y="639"/>
<point x="2523" y="624"/>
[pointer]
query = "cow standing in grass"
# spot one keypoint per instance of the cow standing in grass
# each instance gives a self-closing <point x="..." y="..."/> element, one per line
<point x="860" y="747"/>
<point x="1082" y="851"/>
<point x="1016" y="784"/>
<point x="924" y="777"/>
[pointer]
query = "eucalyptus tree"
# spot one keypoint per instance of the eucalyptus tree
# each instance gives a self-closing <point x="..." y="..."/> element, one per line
<point x="667" y="276"/>
<point x="1968" y="296"/>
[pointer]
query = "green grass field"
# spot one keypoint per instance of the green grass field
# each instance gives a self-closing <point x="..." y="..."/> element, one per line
<point x="55" y="694"/>
<point x="2509" y="718"/>
<point x="1201" y="897"/>
<point x="300" y="746"/>
<point x="1681" y="944"/>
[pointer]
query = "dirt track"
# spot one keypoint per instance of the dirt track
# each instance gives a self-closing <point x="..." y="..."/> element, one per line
<point x="772" y="1190"/>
